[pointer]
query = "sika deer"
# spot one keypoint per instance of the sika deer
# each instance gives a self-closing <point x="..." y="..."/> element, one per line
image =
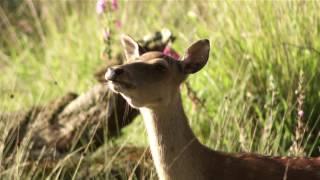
<point x="150" y="82"/>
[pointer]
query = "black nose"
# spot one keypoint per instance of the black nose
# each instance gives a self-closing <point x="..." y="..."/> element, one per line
<point x="112" y="73"/>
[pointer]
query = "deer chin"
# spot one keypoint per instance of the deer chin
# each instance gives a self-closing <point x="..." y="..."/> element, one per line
<point x="123" y="90"/>
<point x="131" y="102"/>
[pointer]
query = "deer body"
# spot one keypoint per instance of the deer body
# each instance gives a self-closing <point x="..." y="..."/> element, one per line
<point x="150" y="82"/>
<point x="178" y="153"/>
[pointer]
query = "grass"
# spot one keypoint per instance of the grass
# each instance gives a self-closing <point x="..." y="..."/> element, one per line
<point x="262" y="52"/>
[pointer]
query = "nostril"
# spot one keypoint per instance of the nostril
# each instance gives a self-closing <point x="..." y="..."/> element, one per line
<point x="113" y="73"/>
<point x="118" y="71"/>
<point x="110" y="74"/>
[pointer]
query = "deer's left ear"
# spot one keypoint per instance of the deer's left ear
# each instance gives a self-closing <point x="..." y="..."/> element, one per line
<point x="196" y="56"/>
<point x="131" y="47"/>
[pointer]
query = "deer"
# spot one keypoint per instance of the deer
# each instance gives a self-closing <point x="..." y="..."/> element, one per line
<point x="150" y="82"/>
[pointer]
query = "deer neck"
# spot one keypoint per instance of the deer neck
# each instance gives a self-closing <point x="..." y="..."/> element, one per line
<point x="171" y="139"/>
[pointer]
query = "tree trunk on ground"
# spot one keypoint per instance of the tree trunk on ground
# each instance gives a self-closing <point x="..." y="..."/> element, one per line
<point x="70" y="122"/>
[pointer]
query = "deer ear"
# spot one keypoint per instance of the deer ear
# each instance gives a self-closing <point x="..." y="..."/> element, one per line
<point x="131" y="47"/>
<point x="196" y="56"/>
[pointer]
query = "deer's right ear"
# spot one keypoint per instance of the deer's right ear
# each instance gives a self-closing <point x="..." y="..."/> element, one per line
<point x="131" y="47"/>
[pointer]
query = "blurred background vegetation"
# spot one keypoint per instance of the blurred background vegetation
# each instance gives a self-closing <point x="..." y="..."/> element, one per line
<point x="261" y="88"/>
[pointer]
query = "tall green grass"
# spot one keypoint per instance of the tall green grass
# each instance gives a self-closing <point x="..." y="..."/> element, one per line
<point x="261" y="53"/>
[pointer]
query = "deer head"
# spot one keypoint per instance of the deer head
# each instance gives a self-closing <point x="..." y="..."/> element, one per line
<point x="152" y="79"/>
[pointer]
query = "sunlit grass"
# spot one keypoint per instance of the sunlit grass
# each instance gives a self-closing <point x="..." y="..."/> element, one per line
<point x="248" y="86"/>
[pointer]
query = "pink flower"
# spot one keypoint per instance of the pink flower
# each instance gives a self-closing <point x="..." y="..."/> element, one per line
<point x="171" y="52"/>
<point x="300" y="113"/>
<point x="106" y="34"/>
<point x="101" y="6"/>
<point x="118" y="24"/>
<point x="114" y="4"/>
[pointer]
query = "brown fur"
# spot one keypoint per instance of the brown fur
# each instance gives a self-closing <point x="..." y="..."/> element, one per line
<point x="151" y="84"/>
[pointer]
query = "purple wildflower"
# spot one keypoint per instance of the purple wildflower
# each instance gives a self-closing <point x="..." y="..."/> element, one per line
<point x="114" y="4"/>
<point x="106" y="34"/>
<point x="300" y="113"/>
<point x="118" y="23"/>
<point x="101" y="6"/>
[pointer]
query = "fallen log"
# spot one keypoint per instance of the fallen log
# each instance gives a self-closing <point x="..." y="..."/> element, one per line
<point x="73" y="121"/>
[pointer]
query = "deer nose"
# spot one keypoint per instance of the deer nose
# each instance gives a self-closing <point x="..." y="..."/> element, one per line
<point x="112" y="73"/>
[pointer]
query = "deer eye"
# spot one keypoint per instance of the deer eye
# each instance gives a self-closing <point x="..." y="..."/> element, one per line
<point x="160" y="67"/>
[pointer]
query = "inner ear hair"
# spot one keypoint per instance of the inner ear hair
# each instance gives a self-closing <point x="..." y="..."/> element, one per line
<point x="131" y="47"/>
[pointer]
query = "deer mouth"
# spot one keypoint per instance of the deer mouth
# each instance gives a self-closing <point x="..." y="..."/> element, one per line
<point x="118" y="86"/>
